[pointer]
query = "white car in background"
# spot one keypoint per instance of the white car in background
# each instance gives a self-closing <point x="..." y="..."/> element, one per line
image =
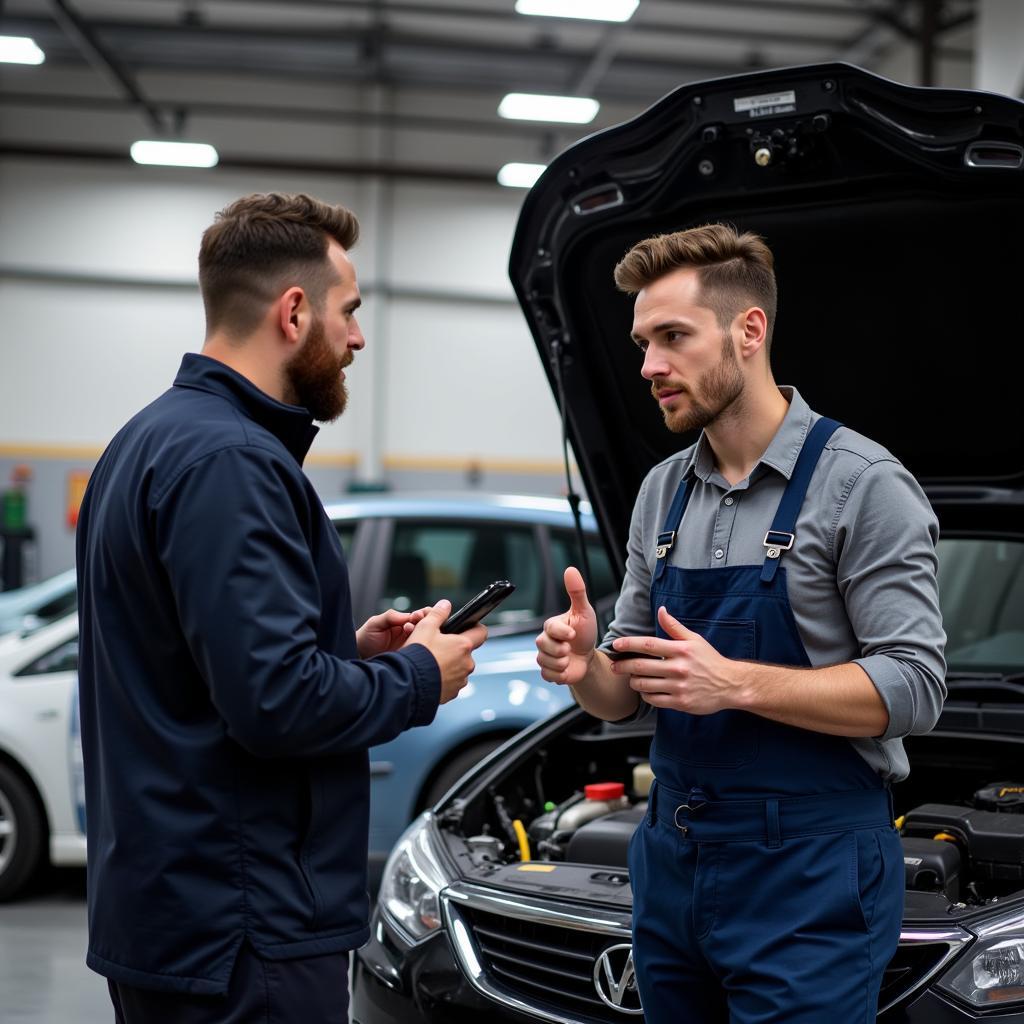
<point x="30" y="608"/>
<point x="41" y="790"/>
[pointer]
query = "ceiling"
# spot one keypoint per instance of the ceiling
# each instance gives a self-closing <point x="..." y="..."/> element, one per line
<point x="411" y="87"/>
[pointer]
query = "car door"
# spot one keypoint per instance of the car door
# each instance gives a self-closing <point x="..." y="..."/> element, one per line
<point x="45" y="688"/>
<point x="39" y="762"/>
<point x="563" y="550"/>
<point x="427" y="558"/>
<point x="363" y="542"/>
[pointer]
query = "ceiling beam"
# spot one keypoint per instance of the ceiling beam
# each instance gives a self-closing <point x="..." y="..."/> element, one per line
<point x="475" y="127"/>
<point x="588" y="79"/>
<point x="930" y="19"/>
<point x="415" y="172"/>
<point x="337" y="57"/>
<point x="637" y="28"/>
<point x="81" y="34"/>
<point x="492" y="14"/>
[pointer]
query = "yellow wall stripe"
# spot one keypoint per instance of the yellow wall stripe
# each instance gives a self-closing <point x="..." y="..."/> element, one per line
<point x="51" y="451"/>
<point x="334" y="460"/>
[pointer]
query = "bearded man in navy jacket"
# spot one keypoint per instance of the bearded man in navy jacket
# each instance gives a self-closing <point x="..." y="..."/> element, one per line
<point x="227" y="701"/>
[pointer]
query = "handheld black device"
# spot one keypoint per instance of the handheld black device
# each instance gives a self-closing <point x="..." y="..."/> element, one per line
<point x="622" y="655"/>
<point x="477" y="607"/>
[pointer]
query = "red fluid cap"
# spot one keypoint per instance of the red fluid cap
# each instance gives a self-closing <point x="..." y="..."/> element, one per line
<point x="604" y="791"/>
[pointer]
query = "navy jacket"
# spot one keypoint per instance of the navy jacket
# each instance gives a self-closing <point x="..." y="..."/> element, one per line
<point x="225" y="720"/>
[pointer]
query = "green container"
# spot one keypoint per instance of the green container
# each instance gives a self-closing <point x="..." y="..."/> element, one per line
<point x="12" y="510"/>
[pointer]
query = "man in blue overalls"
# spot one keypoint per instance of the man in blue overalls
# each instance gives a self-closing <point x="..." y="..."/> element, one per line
<point x="781" y="571"/>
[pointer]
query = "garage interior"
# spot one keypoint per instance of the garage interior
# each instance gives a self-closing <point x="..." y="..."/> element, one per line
<point x="390" y="107"/>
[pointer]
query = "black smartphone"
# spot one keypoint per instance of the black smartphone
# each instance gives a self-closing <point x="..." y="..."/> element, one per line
<point x="622" y="655"/>
<point x="477" y="607"/>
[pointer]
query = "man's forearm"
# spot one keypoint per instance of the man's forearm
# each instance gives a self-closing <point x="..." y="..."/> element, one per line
<point x="840" y="700"/>
<point x="603" y="694"/>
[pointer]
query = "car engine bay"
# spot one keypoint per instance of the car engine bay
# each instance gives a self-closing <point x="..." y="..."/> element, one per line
<point x="573" y="802"/>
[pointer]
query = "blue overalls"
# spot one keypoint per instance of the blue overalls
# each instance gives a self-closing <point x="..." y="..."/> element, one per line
<point x="767" y="877"/>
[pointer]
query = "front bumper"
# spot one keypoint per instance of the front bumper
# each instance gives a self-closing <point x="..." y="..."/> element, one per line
<point x="429" y="983"/>
<point x="393" y="983"/>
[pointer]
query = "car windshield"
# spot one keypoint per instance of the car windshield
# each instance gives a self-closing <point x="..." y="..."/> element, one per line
<point x="32" y="607"/>
<point x="981" y="591"/>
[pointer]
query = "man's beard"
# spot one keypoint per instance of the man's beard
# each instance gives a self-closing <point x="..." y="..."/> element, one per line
<point x="314" y="375"/>
<point x="718" y="390"/>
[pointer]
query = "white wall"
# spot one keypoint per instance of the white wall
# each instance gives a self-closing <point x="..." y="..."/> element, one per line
<point x="999" y="47"/>
<point x="80" y="356"/>
<point x="99" y="300"/>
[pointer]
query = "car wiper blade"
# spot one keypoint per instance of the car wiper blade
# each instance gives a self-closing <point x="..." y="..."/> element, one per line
<point x="986" y="687"/>
<point x="985" y="677"/>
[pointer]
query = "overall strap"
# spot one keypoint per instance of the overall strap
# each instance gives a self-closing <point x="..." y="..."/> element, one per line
<point x="667" y="537"/>
<point x="780" y="537"/>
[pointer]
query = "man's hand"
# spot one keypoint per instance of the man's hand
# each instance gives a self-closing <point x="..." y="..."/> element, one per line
<point x="566" y="647"/>
<point x="386" y="632"/>
<point x="692" y="676"/>
<point x="452" y="651"/>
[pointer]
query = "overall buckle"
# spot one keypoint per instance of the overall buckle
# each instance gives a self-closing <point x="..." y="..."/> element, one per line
<point x="666" y="541"/>
<point x="777" y="541"/>
<point x="698" y="802"/>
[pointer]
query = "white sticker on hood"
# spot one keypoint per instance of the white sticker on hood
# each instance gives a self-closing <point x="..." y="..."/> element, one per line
<point x="768" y="103"/>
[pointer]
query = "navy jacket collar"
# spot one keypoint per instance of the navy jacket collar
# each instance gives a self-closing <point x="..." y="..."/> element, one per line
<point x="292" y="425"/>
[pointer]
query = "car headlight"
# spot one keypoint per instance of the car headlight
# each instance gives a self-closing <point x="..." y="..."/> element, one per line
<point x="992" y="974"/>
<point x="412" y="881"/>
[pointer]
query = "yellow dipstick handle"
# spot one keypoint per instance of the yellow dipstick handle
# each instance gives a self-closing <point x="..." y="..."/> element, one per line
<point x="898" y="823"/>
<point x="524" y="843"/>
<point x="946" y="836"/>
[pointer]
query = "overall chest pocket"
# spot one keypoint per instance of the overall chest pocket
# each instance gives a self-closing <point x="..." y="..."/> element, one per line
<point x="726" y="739"/>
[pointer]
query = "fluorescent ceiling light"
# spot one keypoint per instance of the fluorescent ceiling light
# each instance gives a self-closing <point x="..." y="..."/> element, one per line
<point x="174" y="154"/>
<point x="591" y="10"/>
<point x="526" y="106"/>
<point x="520" y="175"/>
<point x="20" y="50"/>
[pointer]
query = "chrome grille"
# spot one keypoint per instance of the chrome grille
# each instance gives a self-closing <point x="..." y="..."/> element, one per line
<point x="544" y="962"/>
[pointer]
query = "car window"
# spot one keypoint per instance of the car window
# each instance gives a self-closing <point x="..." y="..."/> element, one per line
<point x="346" y="531"/>
<point x="565" y="552"/>
<point x="63" y="658"/>
<point x="430" y="561"/>
<point x="981" y="592"/>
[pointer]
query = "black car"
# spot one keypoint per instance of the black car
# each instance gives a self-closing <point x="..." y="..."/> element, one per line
<point x="895" y="216"/>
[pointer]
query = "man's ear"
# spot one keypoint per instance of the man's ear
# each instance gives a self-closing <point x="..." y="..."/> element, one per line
<point x="293" y="315"/>
<point x="753" y="328"/>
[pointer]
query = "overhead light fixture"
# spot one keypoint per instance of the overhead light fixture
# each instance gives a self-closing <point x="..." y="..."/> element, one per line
<point x="20" y="50"/>
<point x="590" y="10"/>
<point x="174" y="154"/>
<point x="520" y="175"/>
<point x="526" y="106"/>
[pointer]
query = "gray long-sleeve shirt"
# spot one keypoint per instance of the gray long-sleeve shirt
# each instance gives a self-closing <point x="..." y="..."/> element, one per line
<point x="860" y="574"/>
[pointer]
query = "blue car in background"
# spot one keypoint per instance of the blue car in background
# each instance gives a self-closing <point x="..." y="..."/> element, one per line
<point x="403" y="552"/>
<point x="406" y="552"/>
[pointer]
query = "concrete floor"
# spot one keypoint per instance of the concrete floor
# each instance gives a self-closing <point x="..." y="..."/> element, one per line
<point x="43" y="977"/>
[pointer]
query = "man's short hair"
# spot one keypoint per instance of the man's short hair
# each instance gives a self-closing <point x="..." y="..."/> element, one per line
<point x="734" y="270"/>
<point x="262" y="244"/>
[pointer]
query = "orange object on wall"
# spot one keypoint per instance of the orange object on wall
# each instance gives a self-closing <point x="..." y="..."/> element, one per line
<point x="77" y="479"/>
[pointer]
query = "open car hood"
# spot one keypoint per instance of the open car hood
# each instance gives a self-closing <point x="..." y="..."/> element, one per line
<point x="896" y="216"/>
